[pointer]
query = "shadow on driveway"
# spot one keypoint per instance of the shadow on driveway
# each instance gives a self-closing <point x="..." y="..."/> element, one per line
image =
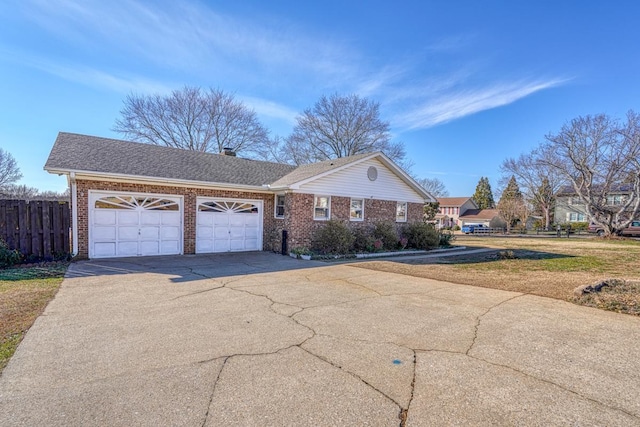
<point x="192" y="267"/>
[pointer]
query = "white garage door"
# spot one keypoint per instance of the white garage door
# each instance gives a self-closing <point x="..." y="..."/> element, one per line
<point x="224" y="225"/>
<point x="123" y="225"/>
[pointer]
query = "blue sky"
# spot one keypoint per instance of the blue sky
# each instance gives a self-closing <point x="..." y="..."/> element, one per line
<point x="464" y="84"/>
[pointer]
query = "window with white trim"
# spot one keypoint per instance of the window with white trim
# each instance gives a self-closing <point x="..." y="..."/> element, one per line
<point x="401" y="212"/>
<point x="576" y="217"/>
<point x="321" y="207"/>
<point x="356" y="211"/>
<point x="279" y="206"/>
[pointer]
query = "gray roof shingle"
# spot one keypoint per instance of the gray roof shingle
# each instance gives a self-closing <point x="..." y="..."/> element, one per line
<point x="111" y="156"/>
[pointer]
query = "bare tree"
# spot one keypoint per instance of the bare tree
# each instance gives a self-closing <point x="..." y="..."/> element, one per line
<point x="19" y="192"/>
<point x="193" y="119"/>
<point x="24" y="192"/>
<point x="600" y="157"/>
<point x="434" y="186"/>
<point x="340" y="126"/>
<point x="538" y="181"/>
<point x="9" y="170"/>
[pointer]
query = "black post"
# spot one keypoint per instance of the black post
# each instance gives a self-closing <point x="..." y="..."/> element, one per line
<point x="284" y="242"/>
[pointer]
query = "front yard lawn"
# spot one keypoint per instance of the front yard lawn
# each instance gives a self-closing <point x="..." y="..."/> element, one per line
<point x="548" y="267"/>
<point x="24" y="293"/>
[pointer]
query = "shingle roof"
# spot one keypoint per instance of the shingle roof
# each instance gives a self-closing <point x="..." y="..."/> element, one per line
<point x="452" y="201"/>
<point x="568" y="190"/>
<point x="313" y="169"/>
<point x="111" y="156"/>
<point x="487" y="214"/>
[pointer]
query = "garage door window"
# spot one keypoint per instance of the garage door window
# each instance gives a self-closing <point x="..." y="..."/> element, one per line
<point x="228" y="207"/>
<point x="147" y="203"/>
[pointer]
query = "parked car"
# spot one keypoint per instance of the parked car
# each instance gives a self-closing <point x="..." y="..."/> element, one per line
<point x="632" y="230"/>
<point x="472" y="228"/>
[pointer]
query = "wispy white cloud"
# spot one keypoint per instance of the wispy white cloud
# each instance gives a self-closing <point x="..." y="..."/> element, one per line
<point x="271" y="109"/>
<point x="196" y="40"/>
<point x="189" y="35"/>
<point x="459" y="103"/>
<point x="88" y="76"/>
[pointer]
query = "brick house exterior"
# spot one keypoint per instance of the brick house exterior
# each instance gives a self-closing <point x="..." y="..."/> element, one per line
<point x="109" y="178"/>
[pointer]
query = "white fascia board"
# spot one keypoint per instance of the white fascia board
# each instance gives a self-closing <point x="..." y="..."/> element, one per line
<point x="428" y="198"/>
<point x="94" y="176"/>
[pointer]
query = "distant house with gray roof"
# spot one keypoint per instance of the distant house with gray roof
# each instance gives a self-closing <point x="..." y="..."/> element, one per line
<point x="133" y="199"/>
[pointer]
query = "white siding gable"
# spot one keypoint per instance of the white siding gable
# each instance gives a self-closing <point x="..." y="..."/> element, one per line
<point x="353" y="182"/>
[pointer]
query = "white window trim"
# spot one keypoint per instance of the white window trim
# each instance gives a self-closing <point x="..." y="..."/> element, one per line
<point x="406" y="213"/>
<point x="275" y="205"/>
<point x="362" y="209"/>
<point x="315" y="198"/>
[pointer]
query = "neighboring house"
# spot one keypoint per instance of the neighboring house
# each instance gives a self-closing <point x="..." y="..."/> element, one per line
<point x="450" y="210"/>
<point x="132" y="199"/>
<point x="569" y="208"/>
<point x="486" y="217"/>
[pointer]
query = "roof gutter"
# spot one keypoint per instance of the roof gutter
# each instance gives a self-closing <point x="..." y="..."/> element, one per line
<point x="79" y="174"/>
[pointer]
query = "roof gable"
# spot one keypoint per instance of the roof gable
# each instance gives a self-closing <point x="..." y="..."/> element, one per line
<point x="454" y="201"/>
<point x="304" y="175"/>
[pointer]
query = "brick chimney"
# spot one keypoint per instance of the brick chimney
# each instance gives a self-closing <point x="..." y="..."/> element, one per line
<point x="226" y="151"/>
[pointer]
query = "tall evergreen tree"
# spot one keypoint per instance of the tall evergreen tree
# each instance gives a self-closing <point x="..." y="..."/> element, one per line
<point x="512" y="191"/>
<point x="512" y="206"/>
<point x="483" y="197"/>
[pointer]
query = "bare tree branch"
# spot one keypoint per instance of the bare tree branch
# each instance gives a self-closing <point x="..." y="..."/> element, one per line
<point x="598" y="156"/>
<point x="434" y="186"/>
<point x="9" y="170"/>
<point x="538" y="181"/>
<point x="193" y="119"/>
<point x="340" y="126"/>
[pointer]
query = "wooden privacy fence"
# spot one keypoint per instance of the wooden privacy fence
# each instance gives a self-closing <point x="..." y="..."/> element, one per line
<point x="38" y="229"/>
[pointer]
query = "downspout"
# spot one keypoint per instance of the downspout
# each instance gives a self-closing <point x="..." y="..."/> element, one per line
<point x="74" y="213"/>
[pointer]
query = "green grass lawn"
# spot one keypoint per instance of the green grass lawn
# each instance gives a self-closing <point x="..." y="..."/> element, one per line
<point x="24" y="293"/>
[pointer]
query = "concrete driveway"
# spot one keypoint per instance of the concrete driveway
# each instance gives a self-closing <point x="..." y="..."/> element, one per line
<point x="264" y="340"/>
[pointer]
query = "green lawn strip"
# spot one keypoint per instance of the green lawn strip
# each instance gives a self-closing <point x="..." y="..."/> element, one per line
<point x="24" y="294"/>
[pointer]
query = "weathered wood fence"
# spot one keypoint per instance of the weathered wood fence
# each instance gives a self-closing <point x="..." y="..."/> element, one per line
<point x="38" y="229"/>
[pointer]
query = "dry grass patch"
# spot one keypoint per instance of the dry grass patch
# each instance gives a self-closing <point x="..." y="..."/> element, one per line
<point x="24" y="293"/>
<point x="547" y="267"/>
<point x="621" y="297"/>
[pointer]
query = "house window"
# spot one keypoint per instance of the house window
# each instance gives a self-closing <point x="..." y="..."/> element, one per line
<point x="401" y="212"/>
<point x="279" y="208"/>
<point x="321" y="207"/>
<point x="616" y="200"/>
<point x="356" y="212"/>
<point x="576" y="217"/>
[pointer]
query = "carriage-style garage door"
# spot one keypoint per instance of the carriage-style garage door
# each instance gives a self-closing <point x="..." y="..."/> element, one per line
<point x="123" y="225"/>
<point x="225" y="225"/>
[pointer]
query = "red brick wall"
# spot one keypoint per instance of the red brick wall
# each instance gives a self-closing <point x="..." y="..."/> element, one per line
<point x="298" y="218"/>
<point x="189" y="207"/>
<point x="301" y="225"/>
